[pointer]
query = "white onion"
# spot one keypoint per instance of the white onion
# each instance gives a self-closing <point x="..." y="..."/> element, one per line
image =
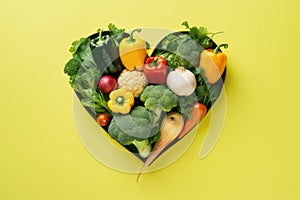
<point x="182" y="82"/>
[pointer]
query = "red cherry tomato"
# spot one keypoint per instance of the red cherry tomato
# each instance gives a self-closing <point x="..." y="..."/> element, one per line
<point x="103" y="119"/>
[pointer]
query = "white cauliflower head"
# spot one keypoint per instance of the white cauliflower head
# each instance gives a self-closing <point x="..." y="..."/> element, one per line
<point x="133" y="81"/>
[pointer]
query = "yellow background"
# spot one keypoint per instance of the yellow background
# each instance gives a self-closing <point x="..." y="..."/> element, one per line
<point x="257" y="156"/>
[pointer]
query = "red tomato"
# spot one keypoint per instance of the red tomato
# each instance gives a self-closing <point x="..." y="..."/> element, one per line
<point x="103" y="119"/>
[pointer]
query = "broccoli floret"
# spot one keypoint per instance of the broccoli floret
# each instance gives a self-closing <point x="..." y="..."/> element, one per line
<point x="180" y="50"/>
<point x="159" y="97"/>
<point x="186" y="104"/>
<point x="71" y="69"/>
<point x="190" y="51"/>
<point x="137" y="128"/>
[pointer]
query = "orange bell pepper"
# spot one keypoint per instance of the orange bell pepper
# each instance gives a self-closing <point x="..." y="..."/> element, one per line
<point x="213" y="61"/>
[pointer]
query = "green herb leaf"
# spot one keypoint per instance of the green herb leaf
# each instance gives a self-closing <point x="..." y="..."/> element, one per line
<point x="200" y="34"/>
<point x="114" y="30"/>
<point x="186" y="24"/>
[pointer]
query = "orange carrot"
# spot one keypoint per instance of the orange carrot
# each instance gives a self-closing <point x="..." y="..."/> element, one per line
<point x="170" y="129"/>
<point x="198" y="112"/>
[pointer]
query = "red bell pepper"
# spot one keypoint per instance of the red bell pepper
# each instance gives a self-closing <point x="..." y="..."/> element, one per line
<point x="156" y="69"/>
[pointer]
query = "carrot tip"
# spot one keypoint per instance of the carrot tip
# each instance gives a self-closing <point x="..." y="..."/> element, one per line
<point x="138" y="177"/>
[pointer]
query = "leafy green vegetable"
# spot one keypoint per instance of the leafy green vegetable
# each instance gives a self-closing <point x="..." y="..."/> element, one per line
<point x="76" y="44"/>
<point x="84" y="75"/>
<point x="116" y="34"/>
<point x="180" y="50"/>
<point x="172" y="59"/>
<point x="138" y="128"/>
<point x="114" y="30"/>
<point x="82" y="56"/>
<point x="201" y="35"/>
<point x="84" y="72"/>
<point x="96" y="101"/>
<point x="106" y="56"/>
<point x="86" y="85"/>
<point x="71" y="69"/>
<point x="158" y="97"/>
<point x="202" y="90"/>
<point x="186" y="104"/>
<point x="206" y="94"/>
<point x="81" y="51"/>
<point x="105" y="51"/>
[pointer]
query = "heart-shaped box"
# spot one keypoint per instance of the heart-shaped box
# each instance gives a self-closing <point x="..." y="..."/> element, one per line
<point x="95" y="59"/>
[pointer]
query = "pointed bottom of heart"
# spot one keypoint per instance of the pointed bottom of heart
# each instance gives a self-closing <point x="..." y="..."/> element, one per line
<point x="111" y="154"/>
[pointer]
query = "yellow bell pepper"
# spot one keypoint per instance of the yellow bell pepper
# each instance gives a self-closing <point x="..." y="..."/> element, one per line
<point x="120" y="101"/>
<point x="213" y="62"/>
<point x="133" y="52"/>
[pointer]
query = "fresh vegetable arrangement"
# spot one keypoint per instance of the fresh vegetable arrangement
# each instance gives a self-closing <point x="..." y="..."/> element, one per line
<point x="147" y="102"/>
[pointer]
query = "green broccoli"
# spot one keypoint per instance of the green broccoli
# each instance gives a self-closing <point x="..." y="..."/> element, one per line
<point x="71" y="69"/>
<point x="159" y="97"/>
<point x="159" y="100"/>
<point x="137" y="128"/>
<point x="186" y="104"/>
<point x="180" y="50"/>
<point x="189" y="51"/>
